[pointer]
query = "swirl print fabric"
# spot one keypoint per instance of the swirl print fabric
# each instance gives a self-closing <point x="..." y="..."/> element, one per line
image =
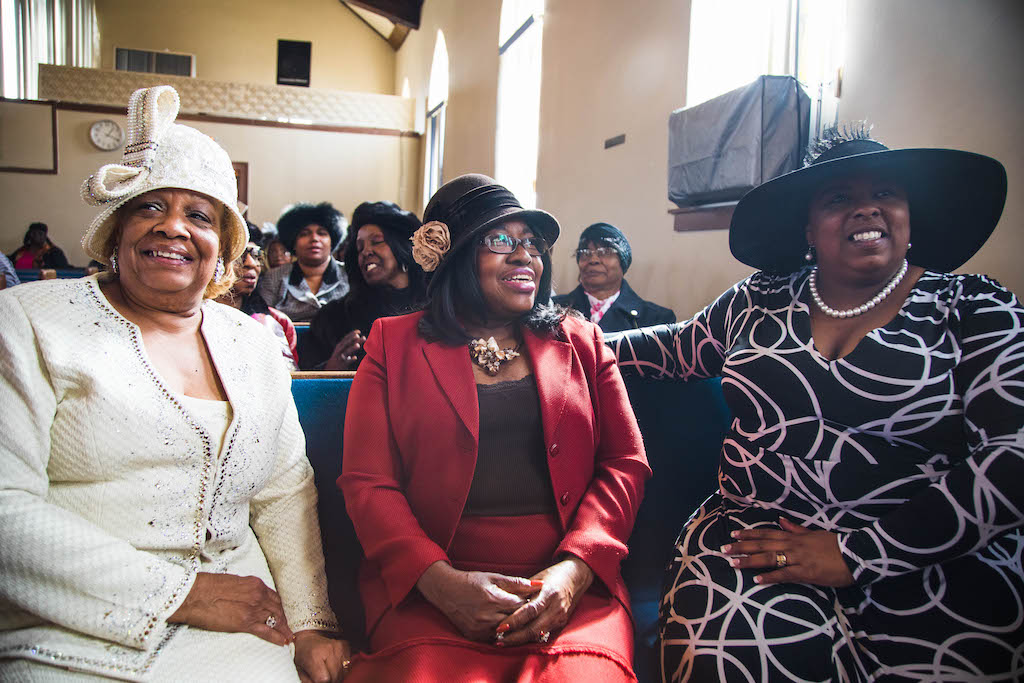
<point x="910" y="448"/>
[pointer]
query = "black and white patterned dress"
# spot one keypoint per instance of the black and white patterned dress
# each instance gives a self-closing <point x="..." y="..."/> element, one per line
<point x="911" y="448"/>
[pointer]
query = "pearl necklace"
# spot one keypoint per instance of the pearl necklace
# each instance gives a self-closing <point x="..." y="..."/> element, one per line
<point x="863" y="308"/>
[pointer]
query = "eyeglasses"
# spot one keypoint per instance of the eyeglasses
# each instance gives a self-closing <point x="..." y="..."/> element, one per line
<point x="501" y="243"/>
<point x="600" y="252"/>
<point x="253" y="251"/>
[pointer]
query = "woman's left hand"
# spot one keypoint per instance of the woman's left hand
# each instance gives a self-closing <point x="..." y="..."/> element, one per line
<point x="550" y="609"/>
<point x="809" y="556"/>
<point x="319" y="658"/>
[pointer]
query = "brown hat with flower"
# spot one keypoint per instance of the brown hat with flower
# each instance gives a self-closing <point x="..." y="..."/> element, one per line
<point x="464" y="208"/>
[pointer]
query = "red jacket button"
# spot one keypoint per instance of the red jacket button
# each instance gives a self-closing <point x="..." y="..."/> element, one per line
<point x="553" y="450"/>
<point x="565" y="498"/>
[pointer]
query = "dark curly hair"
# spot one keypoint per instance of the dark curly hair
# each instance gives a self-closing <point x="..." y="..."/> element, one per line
<point x="299" y="216"/>
<point x="457" y="293"/>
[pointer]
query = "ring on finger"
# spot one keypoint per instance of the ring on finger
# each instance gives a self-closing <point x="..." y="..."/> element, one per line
<point x="271" y="621"/>
<point x="544" y="636"/>
<point x="780" y="559"/>
<point x="499" y="637"/>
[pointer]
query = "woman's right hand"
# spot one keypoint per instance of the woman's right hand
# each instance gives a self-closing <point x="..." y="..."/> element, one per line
<point x="476" y="602"/>
<point x="234" y="604"/>
<point x="344" y="355"/>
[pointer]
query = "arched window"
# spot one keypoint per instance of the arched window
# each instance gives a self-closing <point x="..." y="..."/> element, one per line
<point x="437" y="99"/>
<point x="518" y="125"/>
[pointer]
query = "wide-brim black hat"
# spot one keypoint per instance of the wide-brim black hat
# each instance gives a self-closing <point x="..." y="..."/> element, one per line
<point x="955" y="200"/>
<point x="473" y="204"/>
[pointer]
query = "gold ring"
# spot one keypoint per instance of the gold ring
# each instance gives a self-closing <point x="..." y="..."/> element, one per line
<point x="780" y="559"/>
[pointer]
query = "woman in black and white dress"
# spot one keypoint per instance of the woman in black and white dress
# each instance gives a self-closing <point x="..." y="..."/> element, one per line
<point x="868" y="519"/>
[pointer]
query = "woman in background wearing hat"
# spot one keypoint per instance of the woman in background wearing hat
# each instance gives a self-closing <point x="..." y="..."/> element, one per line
<point x="244" y="297"/>
<point x="301" y="289"/>
<point x="384" y="278"/>
<point x="868" y="518"/>
<point x="603" y="296"/>
<point x="493" y="467"/>
<point x="157" y="512"/>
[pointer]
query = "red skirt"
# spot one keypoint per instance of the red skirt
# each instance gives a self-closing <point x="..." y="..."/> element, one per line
<point x="416" y="642"/>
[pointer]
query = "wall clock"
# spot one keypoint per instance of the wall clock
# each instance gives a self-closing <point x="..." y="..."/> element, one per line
<point x="106" y="134"/>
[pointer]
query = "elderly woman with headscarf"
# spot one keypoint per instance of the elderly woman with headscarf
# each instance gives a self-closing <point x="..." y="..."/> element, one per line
<point x="603" y="296"/>
<point x="384" y="278"/>
<point x="868" y="522"/>
<point x="301" y="289"/>
<point x="493" y="466"/>
<point x="157" y="511"/>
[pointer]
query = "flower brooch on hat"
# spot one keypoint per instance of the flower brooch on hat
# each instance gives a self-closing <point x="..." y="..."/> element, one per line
<point x="430" y="243"/>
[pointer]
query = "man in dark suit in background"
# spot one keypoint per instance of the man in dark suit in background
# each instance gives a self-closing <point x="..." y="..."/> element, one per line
<point x="603" y="295"/>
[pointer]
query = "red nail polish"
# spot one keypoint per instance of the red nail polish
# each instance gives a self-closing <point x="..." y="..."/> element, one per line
<point x="499" y="645"/>
<point x="536" y="584"/>
<point x="503" y="628"/>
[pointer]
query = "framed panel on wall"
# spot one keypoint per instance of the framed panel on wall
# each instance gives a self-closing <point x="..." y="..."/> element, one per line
<point x="28" y="136"/>
<point x="293" y="58"/>
<point x="242" y="178"/>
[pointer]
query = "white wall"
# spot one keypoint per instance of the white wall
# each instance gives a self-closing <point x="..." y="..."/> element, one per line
<point x="947" y="73"/>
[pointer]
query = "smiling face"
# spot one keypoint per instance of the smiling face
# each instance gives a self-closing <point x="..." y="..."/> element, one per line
<point x="248" y="267"/>
<point x="860" y="229"/>
<point x="313" y="245"/>
<point x="600" y="273"/>
<point x="168" y="246"/>
<point x="377" y="263"/>
<point x="509" y="282"/>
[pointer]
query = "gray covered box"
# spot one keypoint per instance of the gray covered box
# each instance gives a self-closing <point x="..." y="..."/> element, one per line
<point x="719" y="149"/>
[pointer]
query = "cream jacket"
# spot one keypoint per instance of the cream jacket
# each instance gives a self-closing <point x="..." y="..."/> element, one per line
<point x="111" y="498"/>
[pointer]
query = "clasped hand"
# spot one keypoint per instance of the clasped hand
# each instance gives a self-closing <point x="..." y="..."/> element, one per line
<point x="476" y="602"/>
<point x="811" y="556"/>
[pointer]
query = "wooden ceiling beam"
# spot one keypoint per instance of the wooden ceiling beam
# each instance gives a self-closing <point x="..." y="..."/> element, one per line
<point x="402" y="12"/>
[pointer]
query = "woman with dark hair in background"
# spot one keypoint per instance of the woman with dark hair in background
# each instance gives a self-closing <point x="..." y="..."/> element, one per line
<point x="244" y="297"/>
<point x="37" y="251"/>
<point x="384" y="280"/>
<point x="302" y="288"/>
<point x="493" y="466"/>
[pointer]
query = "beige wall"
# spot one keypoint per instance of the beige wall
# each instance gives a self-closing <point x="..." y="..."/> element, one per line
<point x="926" y="72"/>
<point x="236" y="40"/>
<point x="285" y="166"/>
<point x="471" y="34"/>
<point x="946" y="73"/>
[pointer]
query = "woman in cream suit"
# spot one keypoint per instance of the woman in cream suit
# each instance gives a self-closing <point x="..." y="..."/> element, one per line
<point x="157" y="511"/>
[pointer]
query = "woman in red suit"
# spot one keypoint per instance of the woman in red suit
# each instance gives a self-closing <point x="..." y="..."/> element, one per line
<point x="493" y="466"/>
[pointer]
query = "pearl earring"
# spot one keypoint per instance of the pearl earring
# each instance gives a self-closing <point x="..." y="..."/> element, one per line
<point x="809" y="255"/>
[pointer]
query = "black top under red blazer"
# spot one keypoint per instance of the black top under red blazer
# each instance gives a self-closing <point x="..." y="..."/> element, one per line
<point x="411" y="438"/>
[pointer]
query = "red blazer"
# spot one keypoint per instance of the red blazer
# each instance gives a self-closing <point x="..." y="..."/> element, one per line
<point x="411" y="438"/>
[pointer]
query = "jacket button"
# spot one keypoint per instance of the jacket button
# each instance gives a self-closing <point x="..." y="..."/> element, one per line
<point x="553" y="450"/>
<point x="565" y="498"/>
